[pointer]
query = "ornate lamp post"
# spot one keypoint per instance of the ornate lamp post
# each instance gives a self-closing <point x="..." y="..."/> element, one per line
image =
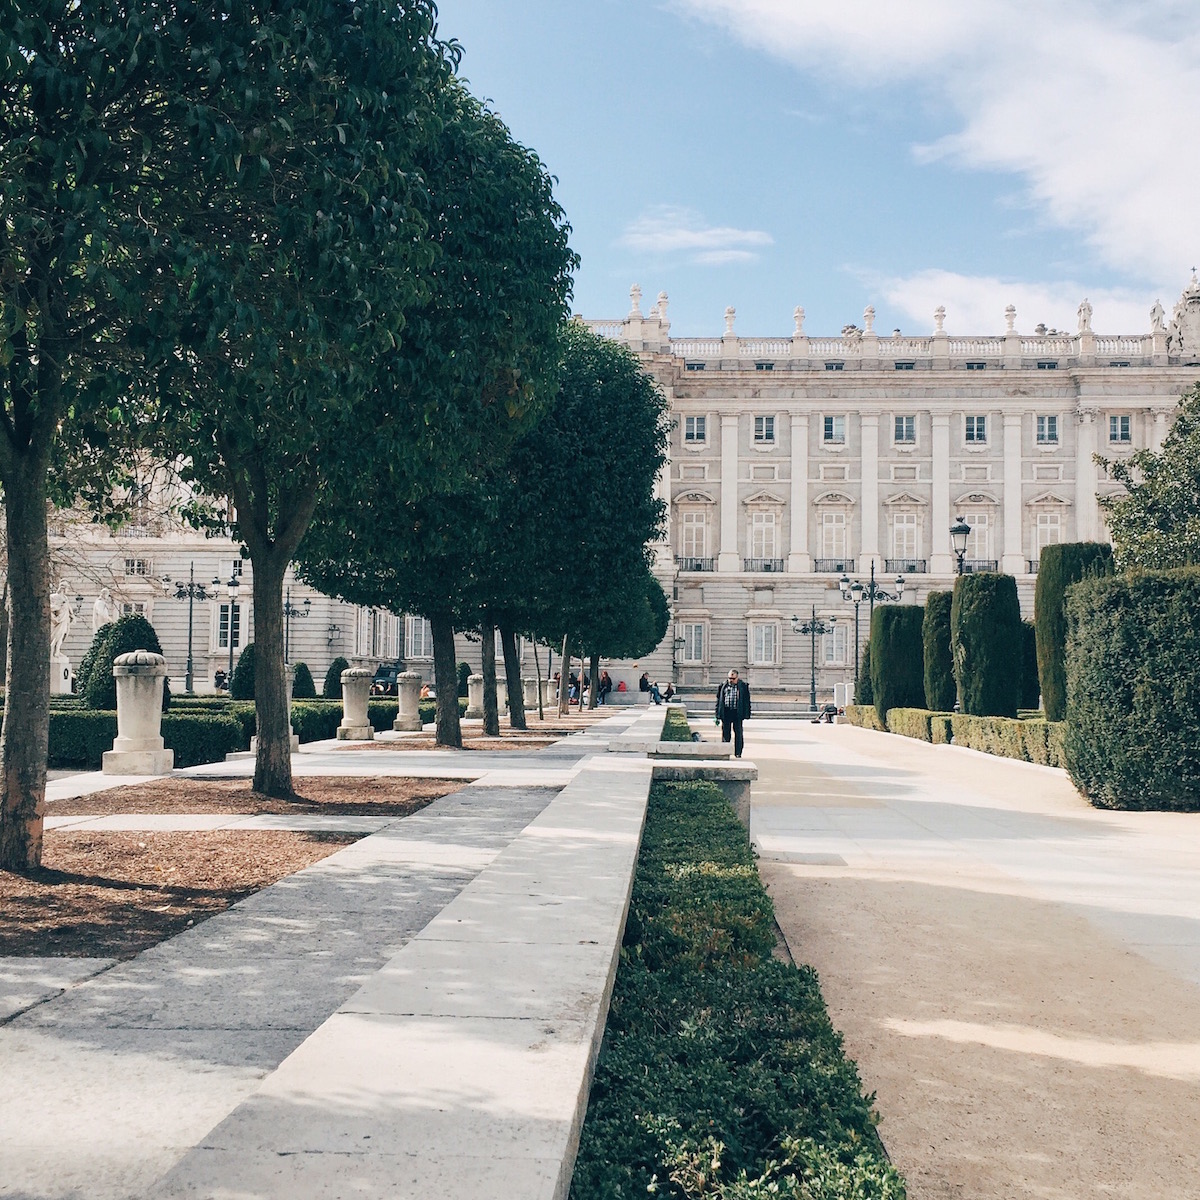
<point x="191" y="592"/>
<point x="857" y="592"/>
<point x="289" y="611"/>
<point x="232" y="588"/>
<point x="813" y="628"/>
<point x="959" y="532"/>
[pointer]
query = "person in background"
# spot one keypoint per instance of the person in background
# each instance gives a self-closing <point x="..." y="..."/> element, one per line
<point x="733" y="707"/>
<point x="670" y="691"/>
<point x="604" y="688"/>
<point x="655" y="694"/>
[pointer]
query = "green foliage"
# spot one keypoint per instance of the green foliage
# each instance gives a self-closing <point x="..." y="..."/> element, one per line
<point x="464" y="673"/>
<point x="910" y="722"/>
<point x="985" y="637"/>
<point x="716" y="1056"/>
<point x="1155" y="524"/>
<point x="303" y="687"/>
<point x="1058" y="568"/>
<point x="1031" y="690"/>
<point x="864" y="692"/>
<point x="201" y="738"/>
<point x="941" y="693"/>
<point x="241" y="686"/>
<point x="316" y="722"/>
<point x="122" y="636"/>
<point x="897" y="658"/>
<point x="80" y="739"/>
<point x="1032" y="740"/>
<point x="1133" y="694"/>
<point x="333" y="678"/>
<point x="675" y="725"/>
<point x="382" y="714"/>
<point x="865" y="716"/>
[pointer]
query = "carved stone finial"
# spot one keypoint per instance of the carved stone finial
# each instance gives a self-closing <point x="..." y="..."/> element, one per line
<point x="635" y="300"/>
<point x="869" y="319"/>
<point x="730" y="314"/>
<point x="662" y="306"/>
<point x="798" y="318"/>
<point x="939" y="319"/>
<point x="1010" y="319"/>
<point x="1085" y="316"/>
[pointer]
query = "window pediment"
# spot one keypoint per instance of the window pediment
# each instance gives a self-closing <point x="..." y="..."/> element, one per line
<point x="975" y="498"/>
<point x="832" y="498"/>
<point x="764" y="499"/>
<point x="1049" y="498"/>
<point x="906" y="499"/>
<point x="692" y="496"/>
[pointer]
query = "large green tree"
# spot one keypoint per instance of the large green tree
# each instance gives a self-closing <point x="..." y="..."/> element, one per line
<point x="1156" y="523"/>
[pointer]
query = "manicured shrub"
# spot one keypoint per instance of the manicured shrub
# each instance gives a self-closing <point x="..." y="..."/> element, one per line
<point x="865" y="716"/>
<point x="246" y="715"/>
<point x="1031" y="689"/>
<point x="333" y="679"/>
<point x="122" y="636"/>
<point x="675" y="725"/>
<point x="910" y="722"/>
<point x="940" y="690"/>
<point x="992" y="735"/>
<point x="1133" y="690"/>
<point x="79" y="739"/>
<point x="985" y="635"/>
<point x="382" y="714"/>
<point x="316" y="722"/>
<point x="241" y="686"/>
<point x="303" y="687"/>
<point x="464" y="673"/>
<point x="941" y="732"/>
<point x="897" y="659"/>
<point x="863" y="692"/>
<point x="1059" y="567"/>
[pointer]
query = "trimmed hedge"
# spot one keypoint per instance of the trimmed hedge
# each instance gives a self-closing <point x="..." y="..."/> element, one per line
<point x="79" y="739"/>
<point x="382" y="714"/>
<point x="1059" y="567"/>
<point x="941" y="693"/>
<point x="316" y="722"/>
<point x="863" y="692"/>
<point x="865" y="716"/>
<point x="897" y="658"/>
<point x="1030" y="686"/>
<point x="1133" y="690"/>
<point x="719" y="1064"/>
<point x="303" y="687"/>
<point x="1034" y="741"/>
<point x="986" y="638"/>
<point x="675" y="726"/>
<point x="97" y="687"/>
<point x="241" y="686"/>
<point x="333" y="679"/>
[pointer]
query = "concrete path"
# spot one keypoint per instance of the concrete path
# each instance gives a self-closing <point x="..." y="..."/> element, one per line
<point x="435" y="991"/>
<point x="1017" y="974"/>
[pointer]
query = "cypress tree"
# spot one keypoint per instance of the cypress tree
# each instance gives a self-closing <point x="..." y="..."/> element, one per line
<point x="1058" y="568"/>
<point x="241" y="686"/>
<point x="333" y="679"/>
<point x="940" y="690"/>
<point x="1030" y="688"/>
<point x="897" y="658"/>
<point x="303" y="687"/>
<point x="985" y="638"/>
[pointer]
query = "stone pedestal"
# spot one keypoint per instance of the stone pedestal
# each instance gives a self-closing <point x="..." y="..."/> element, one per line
<point x="529" y="692"/>
<point x="138" y="748"/>
<point x="474" y="697"/>
<point x="548" y="697"/>
<point x="60" y="675"/>
<point x="356" y="724"/>
<point x="408" y="698"/>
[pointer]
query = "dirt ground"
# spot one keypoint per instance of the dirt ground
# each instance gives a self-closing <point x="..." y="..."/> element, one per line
<point x="112" y="894"/>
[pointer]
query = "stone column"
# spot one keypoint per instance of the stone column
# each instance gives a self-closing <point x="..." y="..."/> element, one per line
<point x="474" y="697"/>
<point x="1086" y="480"/>
<point x="869" y="432"/>
<point x="408" y="698"/>
<point x="729" y="559"/>
<point x="941" y="561"/>
<point x="1158" y="434"/>
<point x="1013" y="562"/>
<point x="529" y="693"/>
<point x="138" y="748"/>
<point x="548" y="697"/>
<point x="356" y="724"/>
<point x="799" y="558"/>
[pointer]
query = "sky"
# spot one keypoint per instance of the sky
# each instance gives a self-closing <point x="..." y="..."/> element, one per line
<point x="764" y="154"/>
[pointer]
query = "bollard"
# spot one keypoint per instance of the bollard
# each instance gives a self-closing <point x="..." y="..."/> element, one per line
<point x="356" y="688"/>
<point x="408" y="699"/>
<point x="138" y="748"/>
<point x="529" y="690"/>
<point x="474" y="697"/>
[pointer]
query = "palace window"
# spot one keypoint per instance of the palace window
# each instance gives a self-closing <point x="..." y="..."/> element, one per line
<point x="138" y="567"/>
<point x="694" y="535"/>
<point x="692" y="648"/>
<point x="905" y="535"/>
<point x="223" y="626"/>
<point x="695" y="430"/>
<point x="1118" y="429"/>
<point x="762" y="535"/>
<point x="764" y="641"/>
<point x="418" y="638"/>
<point x="905" y="431"/>
<point x="764" y="429"/>
<point x="1047" y="431"/>
<point x="976" y="430"/>
<point x="133" y="608"/>
<point x="835" y="430"/>
<point x="976" y="366"/>
<point x="835" y="366"/>
<point x="905" y="366"/>
<point x="833" y="535"/>
<point x="979" y="544"/>
<point x="1047" y="531"/>
<point x="835" y="646"/>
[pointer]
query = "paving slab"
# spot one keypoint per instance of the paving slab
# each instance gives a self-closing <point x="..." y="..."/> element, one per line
<point x="25" y="982"/>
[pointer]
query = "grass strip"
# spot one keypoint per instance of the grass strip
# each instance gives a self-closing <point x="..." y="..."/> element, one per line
<point x="676" y="727"/>
<point x="720" y="1076"/>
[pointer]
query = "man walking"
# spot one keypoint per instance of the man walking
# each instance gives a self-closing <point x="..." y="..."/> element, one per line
<point x="733" y="707"/>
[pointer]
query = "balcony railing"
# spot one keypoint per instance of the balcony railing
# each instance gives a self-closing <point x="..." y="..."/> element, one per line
<point x="836" y="566"/>
<point x="762" y="564"/>
<point x="905" y="566"/>
<point x="1031" y="565"/>
<point x="971" y="565"/>
<point x="694" y="564"/>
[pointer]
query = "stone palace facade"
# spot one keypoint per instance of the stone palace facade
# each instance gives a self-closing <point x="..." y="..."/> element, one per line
<point x="796" y="461"/>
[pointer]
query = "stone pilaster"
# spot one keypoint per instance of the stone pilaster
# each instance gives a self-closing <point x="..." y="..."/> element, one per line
<point x="1014" y="559"/>
<point x="729" y="559"/>
<point x="941" y="560"/>
<point x="1086" y="479"/>
<point x="869" y="508"/>
<point x="799" y="557"/>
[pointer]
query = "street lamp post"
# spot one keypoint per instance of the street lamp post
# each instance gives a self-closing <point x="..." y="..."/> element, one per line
<point x="191" y="592"/>
<point x="813" y="628"/>
<point x="959" y="532"/>
<point x="858" y="592"/>
<point x="289" y="611"/>
<point x="231" y="589"/>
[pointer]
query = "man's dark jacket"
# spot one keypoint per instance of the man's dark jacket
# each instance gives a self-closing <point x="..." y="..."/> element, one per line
<point x="743" y="703"/>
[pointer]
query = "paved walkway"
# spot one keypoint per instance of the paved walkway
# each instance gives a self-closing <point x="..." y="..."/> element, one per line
<point x="414" y="1015"/>
<point x="1017" y="974"/>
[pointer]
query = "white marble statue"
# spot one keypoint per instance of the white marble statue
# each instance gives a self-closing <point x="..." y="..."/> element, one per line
<point x="62" y="617"/>
<point x="104" y="611"/>
<point x="1157" y="318"/>
<point x="1085" y="316"/>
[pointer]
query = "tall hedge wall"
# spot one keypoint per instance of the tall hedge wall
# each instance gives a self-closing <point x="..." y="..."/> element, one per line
<point x="1058" y="568"/>
<point x="863" y="693"/>
<point x="940" y="691"/>
<point x="986" y="635"/>
<point x="1030" y="685"/>
<point x="1133" y="676"/>
<point x="897" y="657"/>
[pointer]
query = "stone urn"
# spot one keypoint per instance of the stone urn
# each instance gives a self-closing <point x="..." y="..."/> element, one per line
<point x="529" y="691"/>
<point x="356" y="689"/>
<point x="138" y="748"/>
<point x="408" y="700"/>
<point x="474" y="697"/>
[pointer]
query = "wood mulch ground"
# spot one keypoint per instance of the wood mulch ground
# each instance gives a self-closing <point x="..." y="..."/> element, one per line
<point x="112" y="894"/>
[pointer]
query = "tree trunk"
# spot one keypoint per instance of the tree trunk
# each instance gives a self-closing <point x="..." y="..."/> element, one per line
<point x="445" y="678"/>
<point x="564" y="683"/>
<point x="491" y="708"/>
<point x="25" y="737"/>
<point x="512" y="677"/>
<point x="273" y="762"/>
<point x="537" y="670"/>
<point x="594" y="678"/>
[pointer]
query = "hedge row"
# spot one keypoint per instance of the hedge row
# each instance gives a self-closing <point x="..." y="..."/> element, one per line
<point x="79" y="739"/>
<point x="897" y="657"/>
<point x="864" y="715"/>
<point x="987" y="639"/>
<point x="720" y="1074"/>
<point x="675" y="726"/>
<point x="921" y="723"/>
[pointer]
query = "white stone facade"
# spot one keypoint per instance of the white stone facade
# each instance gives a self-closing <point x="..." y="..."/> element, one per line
<point x="796" y="460"/>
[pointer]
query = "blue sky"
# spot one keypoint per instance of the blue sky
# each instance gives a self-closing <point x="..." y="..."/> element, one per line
<point x="905" y="154"/>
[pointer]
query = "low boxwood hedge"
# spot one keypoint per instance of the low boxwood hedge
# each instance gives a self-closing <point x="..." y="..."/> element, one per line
<point x="675" y="725"/>
<point x="920" y="723"/>
<point x="720" y="1075"/>
<point x="865" y="716"/>
<point x="79" y="739"/>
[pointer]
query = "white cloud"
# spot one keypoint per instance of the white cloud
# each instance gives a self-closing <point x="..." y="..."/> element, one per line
<point x="975" y="304"/>
<point x="1092" y="102"/>
<point x="665" y="229"/>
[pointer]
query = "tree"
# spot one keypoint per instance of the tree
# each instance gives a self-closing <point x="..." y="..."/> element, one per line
<point x="986" y="639"/>
<point x="1156" y="523"/>
<point x="897" y="658"/>
<point x="940" y="690"/>
<point x="332" y="690"/>
<point x="303" y="687"/>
